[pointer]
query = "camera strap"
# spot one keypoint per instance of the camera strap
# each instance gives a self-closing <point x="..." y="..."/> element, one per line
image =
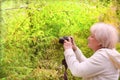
<point x="65" y="72"/>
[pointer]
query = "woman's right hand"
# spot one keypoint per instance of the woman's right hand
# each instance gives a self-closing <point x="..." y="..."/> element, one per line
<point x="67" y="44"/>
<point x="70" y="44"/>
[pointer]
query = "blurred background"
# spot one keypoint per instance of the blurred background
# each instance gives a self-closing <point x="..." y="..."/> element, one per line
<point x="30" y="31"/>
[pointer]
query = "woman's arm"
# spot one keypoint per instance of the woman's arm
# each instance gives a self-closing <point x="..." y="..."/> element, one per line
<point x="90" y="67"/>
<point x="79" y="55"/>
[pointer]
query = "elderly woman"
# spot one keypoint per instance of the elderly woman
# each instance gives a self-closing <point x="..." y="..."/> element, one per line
<point x="104" y="64"/>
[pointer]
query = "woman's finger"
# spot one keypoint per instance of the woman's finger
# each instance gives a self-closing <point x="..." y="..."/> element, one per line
<point x="69" y="39"/>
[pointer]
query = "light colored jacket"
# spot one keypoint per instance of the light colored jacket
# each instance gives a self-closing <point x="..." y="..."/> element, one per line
<point x="100" y="66"/>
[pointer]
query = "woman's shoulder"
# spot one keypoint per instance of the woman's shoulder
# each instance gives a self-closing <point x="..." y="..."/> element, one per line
<point x="103" y="52"/>
<point x="107" y="51"/>
<point x="113" y="55"/>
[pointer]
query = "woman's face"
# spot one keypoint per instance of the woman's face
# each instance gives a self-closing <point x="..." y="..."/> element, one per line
<point x="93" y="43"/>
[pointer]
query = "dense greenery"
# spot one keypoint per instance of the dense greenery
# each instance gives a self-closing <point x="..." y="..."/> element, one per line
<point x="31" y="29"/>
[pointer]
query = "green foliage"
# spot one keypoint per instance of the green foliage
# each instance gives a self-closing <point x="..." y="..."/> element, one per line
<point x="30" y="48"/>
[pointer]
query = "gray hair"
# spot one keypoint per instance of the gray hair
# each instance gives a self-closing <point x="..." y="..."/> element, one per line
<point x="106" y="34"/>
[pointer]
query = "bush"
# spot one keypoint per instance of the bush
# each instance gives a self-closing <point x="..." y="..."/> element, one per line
<point x="31" y="34"/>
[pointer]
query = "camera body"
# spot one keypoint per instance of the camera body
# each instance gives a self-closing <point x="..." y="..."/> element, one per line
<point x="62" y="39"/>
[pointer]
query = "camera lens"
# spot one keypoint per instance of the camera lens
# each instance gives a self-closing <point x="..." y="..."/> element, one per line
<point x="61" y="40"/>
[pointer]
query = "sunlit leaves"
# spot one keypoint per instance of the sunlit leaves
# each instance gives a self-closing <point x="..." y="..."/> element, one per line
<point x="31" y="34"/>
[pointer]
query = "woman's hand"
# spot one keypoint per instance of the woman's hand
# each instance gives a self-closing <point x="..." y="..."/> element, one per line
<point x="67" y="44"/>
<point x="70" y="44"/>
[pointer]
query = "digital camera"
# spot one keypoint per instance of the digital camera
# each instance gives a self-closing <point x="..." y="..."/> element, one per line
<point x="62" y="39"/>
